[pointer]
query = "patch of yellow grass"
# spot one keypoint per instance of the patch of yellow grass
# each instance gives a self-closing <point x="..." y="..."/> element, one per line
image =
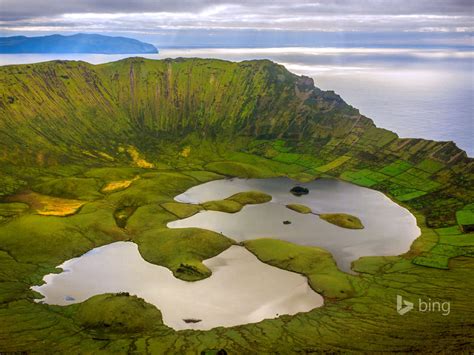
<point x="40" y="158"/>
<point x="118" y="185"/>
<point x="185" y="152"/>
<point x="137" y="159"/>
<point x="49" y="206"/>
<point x="106" y="156"/>
<point x="89" y="154"/>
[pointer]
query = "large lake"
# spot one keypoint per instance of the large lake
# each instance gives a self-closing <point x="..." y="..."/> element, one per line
<point x="389" y="228"/>
<point x="426" y="93"/>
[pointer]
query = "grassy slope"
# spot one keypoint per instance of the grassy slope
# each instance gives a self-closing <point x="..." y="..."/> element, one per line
<point x="131" y="103"/>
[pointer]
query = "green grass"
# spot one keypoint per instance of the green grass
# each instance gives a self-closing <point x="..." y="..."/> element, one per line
<point x="116" y="314"/>
<point x="299" y="208"/>
<point x="182" y="250"/>
<point x="465" y="218"/>
<point x="12" y="209"/>
<point x="181" y="210"/>
<point x="113" y="173"/>
<point x="238" y="169"/>
<point x="333" y="164"/>
<point x="148" y="217"/>
<point x="395" y="168"/>
<point x="303" y="177"/>
<point x="51" y="240"/>
<point x="250" y="197"/>
<point x="430" y="166"/>
<point x="72" y="188"/>
<point x="364" y="177"/>
<point x="227" y="206"/>
<point x="315" y="263"/>
<point x="417" y="179"/>
<point x="236" y="202"/>
<point x="343" y="220"/>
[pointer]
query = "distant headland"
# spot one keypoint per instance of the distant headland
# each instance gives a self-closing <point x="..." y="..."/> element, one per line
<point x="78" y="43"/>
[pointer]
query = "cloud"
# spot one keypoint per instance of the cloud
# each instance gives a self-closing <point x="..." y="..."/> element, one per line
<point x="148" y="16"/>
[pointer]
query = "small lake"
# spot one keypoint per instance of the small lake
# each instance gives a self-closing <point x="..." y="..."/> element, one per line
<point x="389" y="228"/>
<point x="240" y="290"/>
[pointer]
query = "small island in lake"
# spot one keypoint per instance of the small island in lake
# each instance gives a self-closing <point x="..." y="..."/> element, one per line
<point x="236" y="202"/>
<point x="299" y="208"/>
<point x="343" y="220"/>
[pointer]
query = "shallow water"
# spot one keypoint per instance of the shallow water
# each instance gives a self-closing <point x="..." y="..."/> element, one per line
<point x="240" y="290"/>
<point x="389" y="228"/>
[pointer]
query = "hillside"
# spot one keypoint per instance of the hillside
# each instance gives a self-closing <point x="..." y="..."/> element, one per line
<point x="78" y="43"/>
<point x="74" y="112"/>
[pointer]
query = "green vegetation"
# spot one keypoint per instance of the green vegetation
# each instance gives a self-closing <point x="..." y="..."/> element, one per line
<point x="227" y="206"/>
<point x="116" y="313"/>
<point x="12" y="209"/>
<point x="299" y="208"/>
<point x="181" y="210"/>
<point x="465" y="218"/>
<point x="182" y="250"/>
<point x="343" y="220"/>
<point x="73" y="188"/>
<point x="250" y="197"/>
<point x="236" y="202"/>
<point x="238" y="169"/>
<point x="333" y="164"/>
<point x="70" y="129"/>
<point x="316" y="264"/>
<point x="110" y="174"/>
<point x="122" y="214"/>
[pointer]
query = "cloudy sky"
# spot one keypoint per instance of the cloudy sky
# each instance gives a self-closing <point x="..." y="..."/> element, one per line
<point x="148" y="19"/>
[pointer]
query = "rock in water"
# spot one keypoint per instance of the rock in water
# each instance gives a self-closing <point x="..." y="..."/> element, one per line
<point x="191" y="320"/>
<point x="299" y="191"/>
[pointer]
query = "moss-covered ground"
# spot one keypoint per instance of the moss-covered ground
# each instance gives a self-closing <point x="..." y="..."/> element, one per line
<point x="299" y="208"/>
<point x="343" y="220"/>
<point x="236" y="202"/>
<point x="356" y="305"/>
